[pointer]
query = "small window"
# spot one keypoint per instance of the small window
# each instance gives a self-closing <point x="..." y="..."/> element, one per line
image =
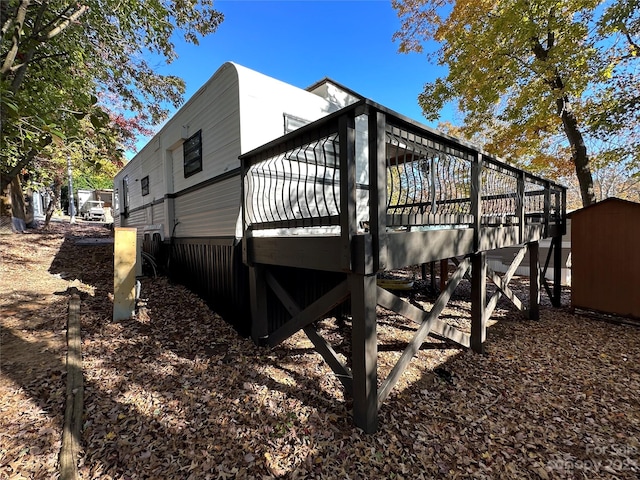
<point x="292" y="123"/>
<point x="125" y="196"/>
<point x="192" y="152"/>
<point x="144" y="183"/>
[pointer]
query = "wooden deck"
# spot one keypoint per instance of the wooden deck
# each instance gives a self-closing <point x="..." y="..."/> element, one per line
<point x="365" y="191"/>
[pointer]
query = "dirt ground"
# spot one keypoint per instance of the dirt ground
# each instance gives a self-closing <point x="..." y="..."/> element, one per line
<point x="176" y="393"/>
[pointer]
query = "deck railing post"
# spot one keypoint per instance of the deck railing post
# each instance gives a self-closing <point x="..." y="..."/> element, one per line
<point x="547" y="207"/>
<point x="561" y="229"/>
<point x="377" y="188"/>
<point x="520" y="207"/>
<point x="476" y="199"/>
<point x="563" y="211"/>
<point x="243" y="210"/>
<point x="348" y="216"/>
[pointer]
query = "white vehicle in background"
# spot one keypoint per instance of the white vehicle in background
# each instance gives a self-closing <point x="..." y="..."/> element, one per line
<point x="94" y="210"/>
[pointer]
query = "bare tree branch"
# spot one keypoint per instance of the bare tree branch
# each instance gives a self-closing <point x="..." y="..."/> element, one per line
<point x="63" y="25"/>
<point x="53" y="21"/>
<point x="18" y="24"/>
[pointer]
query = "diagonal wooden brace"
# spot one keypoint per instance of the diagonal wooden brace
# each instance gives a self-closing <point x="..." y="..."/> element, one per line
<point x="391" y="302"/>
<point x="422" y="332"/>
<point x="343" y="373"/>
<point x="322" y="346"/>
<point x="302" y="318"/>
<point x="503" y="284"/>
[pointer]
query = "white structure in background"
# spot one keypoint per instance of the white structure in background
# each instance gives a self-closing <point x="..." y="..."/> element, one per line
<point x="499" y="260"/>
<point x="95" y="205"/>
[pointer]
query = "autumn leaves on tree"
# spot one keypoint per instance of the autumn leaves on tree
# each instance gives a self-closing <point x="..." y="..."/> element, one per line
<point x="549" y="84"/>
<point x="74" y="79"/>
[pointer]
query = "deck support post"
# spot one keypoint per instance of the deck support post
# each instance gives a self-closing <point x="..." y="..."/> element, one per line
<point x="478" y="301"/>
<point x="258" y="302"/>
<point x="444" y="273"/>
<point x="364" y="351"/>
<point x="534" y="280"/>
<point x="557" y="271"/>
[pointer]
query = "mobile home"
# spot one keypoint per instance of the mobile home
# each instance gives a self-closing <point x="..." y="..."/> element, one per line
<point x="182" y="190"/>
<point x="281" y="206"/>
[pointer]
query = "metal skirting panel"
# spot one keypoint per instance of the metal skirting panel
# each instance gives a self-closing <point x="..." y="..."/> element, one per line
<point x="152" y="244"/>
<point x="214" y="270"/>
<point x="305" y="287"/>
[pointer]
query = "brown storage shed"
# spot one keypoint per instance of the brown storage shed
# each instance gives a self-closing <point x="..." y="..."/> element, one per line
<point x="605" y="250"/>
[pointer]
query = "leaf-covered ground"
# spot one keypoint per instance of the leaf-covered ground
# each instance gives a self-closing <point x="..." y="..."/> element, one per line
<point x="176" y="393"/>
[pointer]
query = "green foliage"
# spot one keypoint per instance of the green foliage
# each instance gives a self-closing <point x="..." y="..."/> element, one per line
<point x="69" y="72"/>
<point x="542" y="82"/>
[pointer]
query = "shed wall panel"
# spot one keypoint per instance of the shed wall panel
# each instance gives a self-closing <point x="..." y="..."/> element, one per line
<point x="606" y="258"/>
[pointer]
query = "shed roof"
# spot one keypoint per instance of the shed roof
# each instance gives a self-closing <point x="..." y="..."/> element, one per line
<point x="606" y="202"/>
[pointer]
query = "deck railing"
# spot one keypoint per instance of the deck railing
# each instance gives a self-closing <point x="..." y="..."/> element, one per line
<point x="295" y="188"/>
<point x="364" y="165"/>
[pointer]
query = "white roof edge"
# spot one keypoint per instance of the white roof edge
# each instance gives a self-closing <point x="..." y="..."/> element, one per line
<point x="225" y="66"/>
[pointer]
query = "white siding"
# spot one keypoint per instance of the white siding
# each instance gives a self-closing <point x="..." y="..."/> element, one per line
<point x="265" y="100"/>
<point x="210" y="211"/>
<point x="131" y="171"/>
<point x="153" y="168"/>
<point x="178" y="170"/>
<point x="157" y="214"/>
<point x="136" y="219"/>
<point x="214" y="110"/>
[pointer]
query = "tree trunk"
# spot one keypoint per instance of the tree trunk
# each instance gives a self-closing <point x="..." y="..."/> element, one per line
<point x="53" y="201"/>
<point x="18" y="205"/>
<point x="579" y="155"/>
<point x="5" y="206"/>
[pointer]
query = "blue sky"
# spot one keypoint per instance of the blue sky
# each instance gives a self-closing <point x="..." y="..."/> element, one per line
<point x="303" y="41"/>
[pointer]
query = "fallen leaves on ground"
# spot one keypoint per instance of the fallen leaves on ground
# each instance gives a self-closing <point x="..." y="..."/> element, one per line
<point x="176" y="393"/>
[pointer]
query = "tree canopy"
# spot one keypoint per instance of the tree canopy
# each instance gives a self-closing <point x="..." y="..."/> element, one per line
<point x="76" y="73"/>
<point x="552" y="84"/>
